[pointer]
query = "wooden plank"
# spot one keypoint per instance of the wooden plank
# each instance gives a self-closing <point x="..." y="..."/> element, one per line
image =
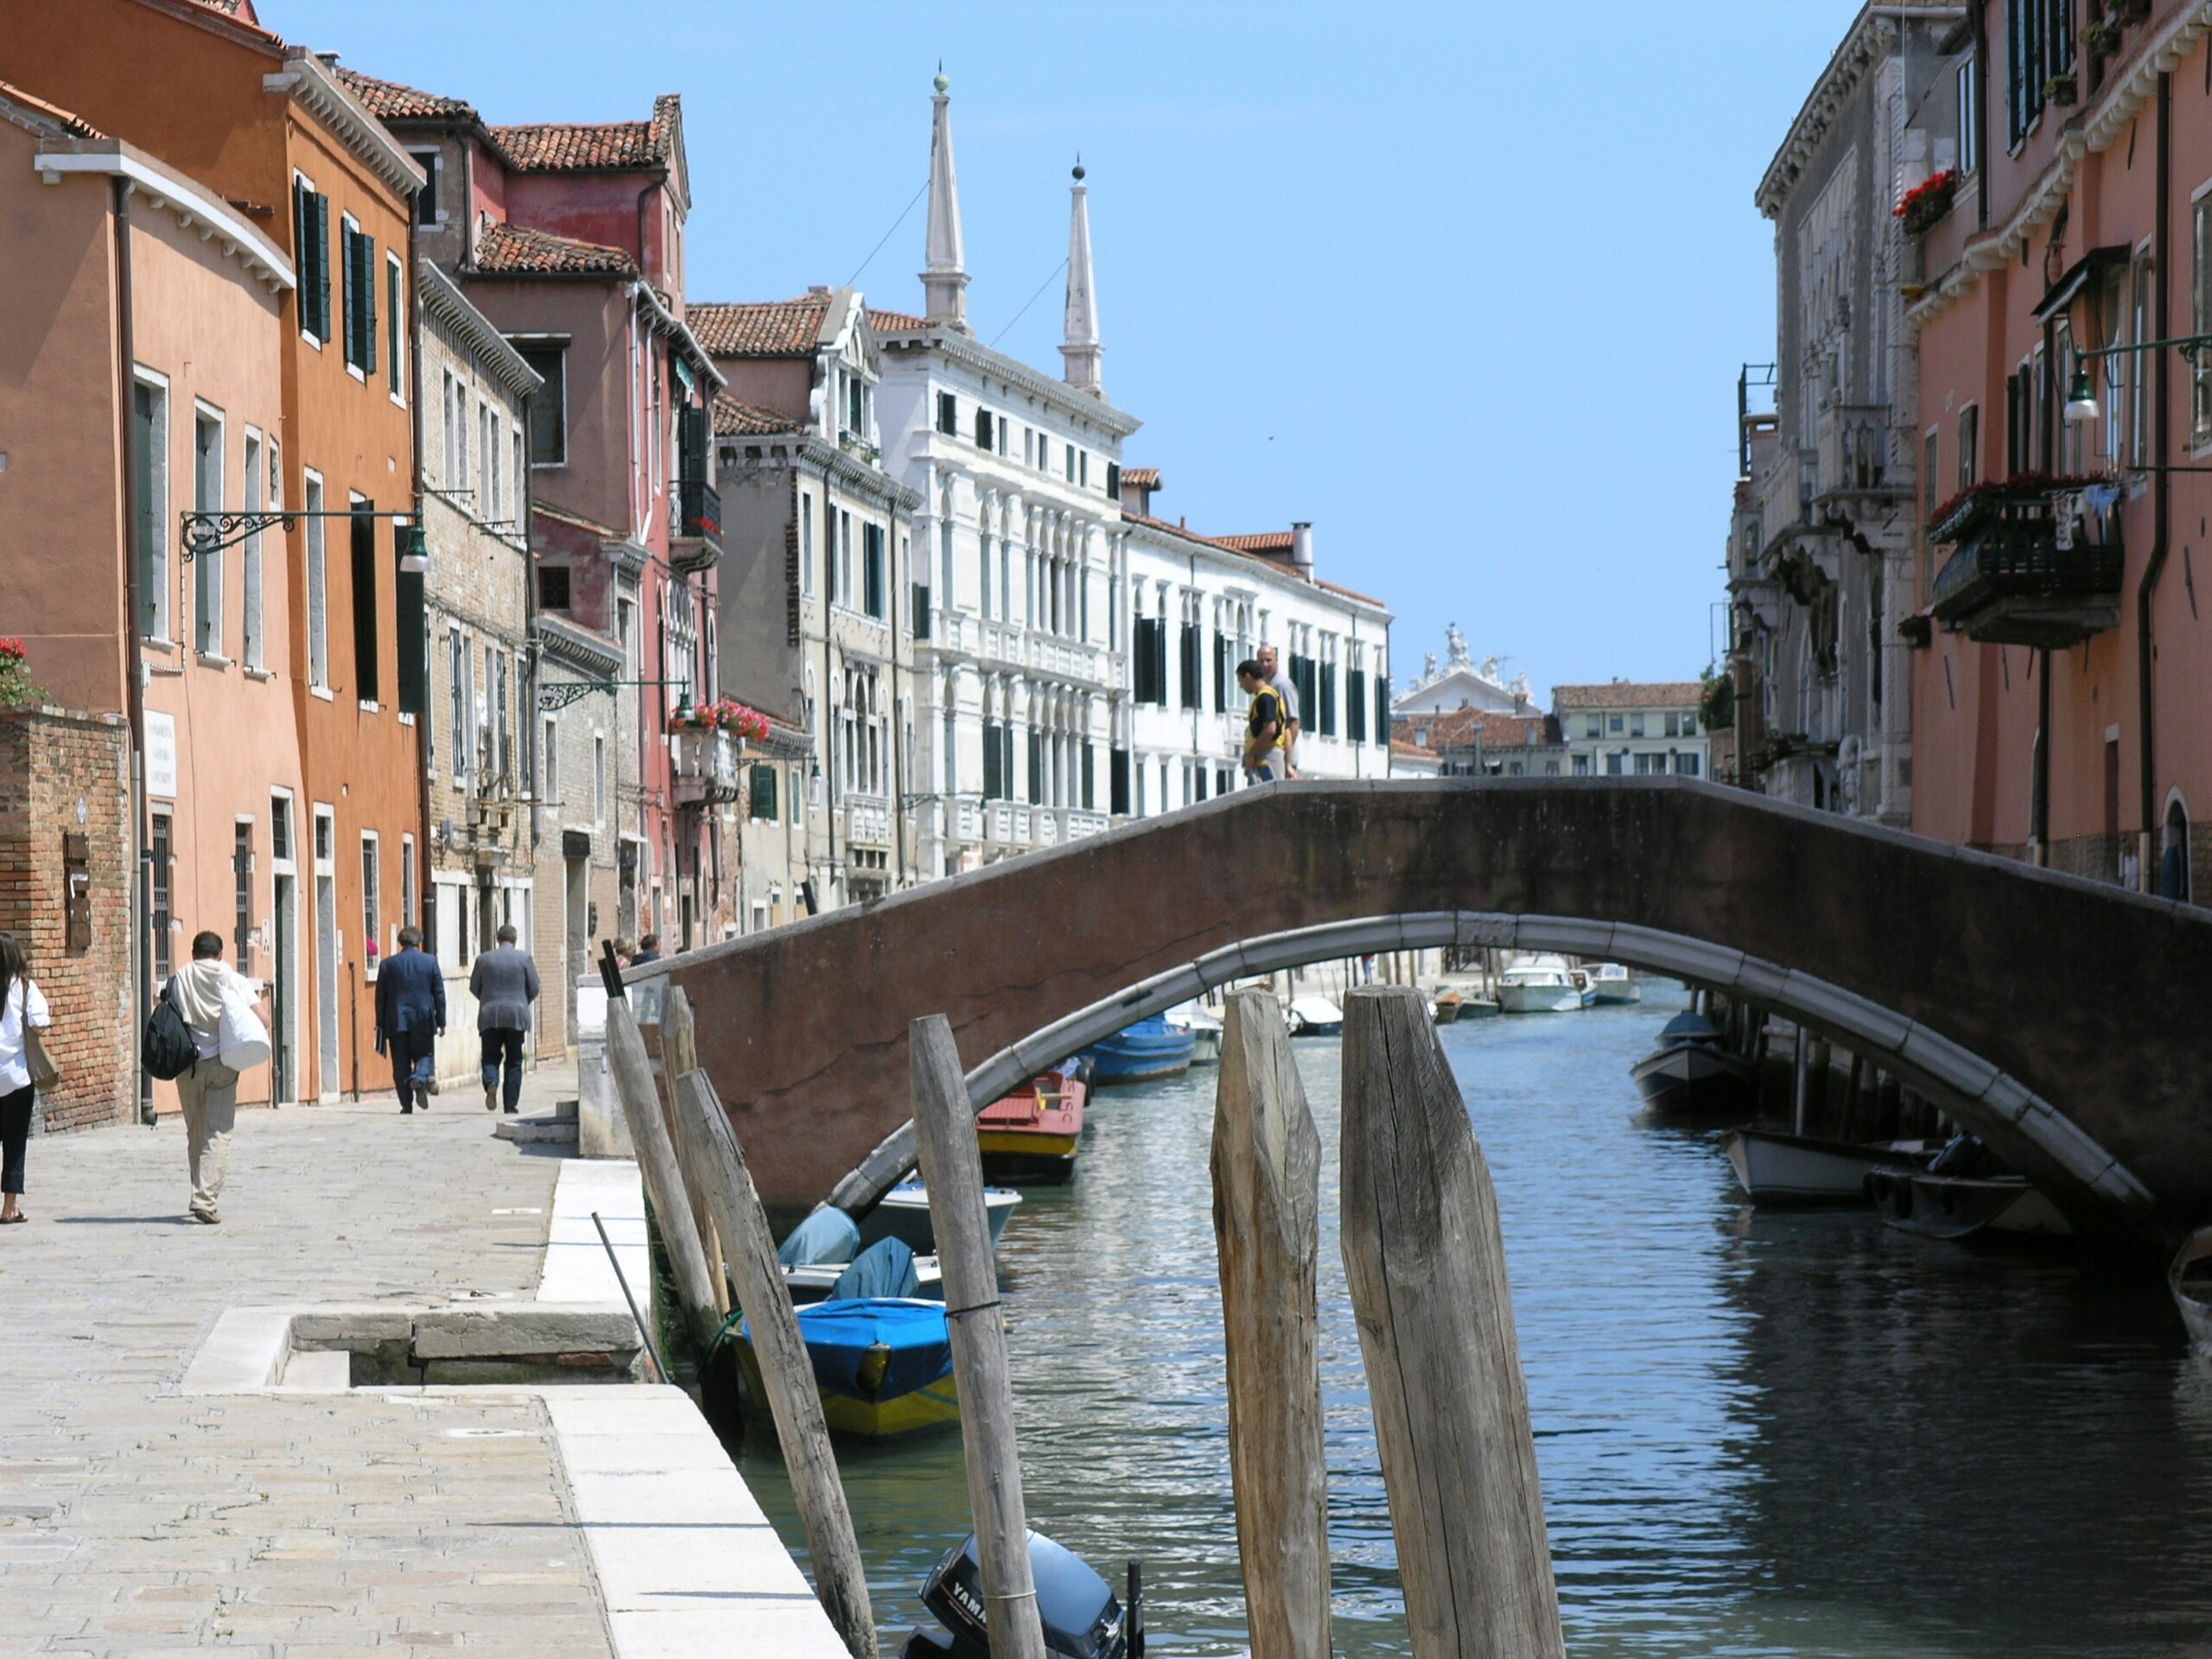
<point x="1426" y="1270"/>
<point x="634" y="1082"/>
<point x="786" y="1374"/>
<point x="944" y="1127"/>
<point x="1267" y="1204"/>
<point x="679" y="1053"/>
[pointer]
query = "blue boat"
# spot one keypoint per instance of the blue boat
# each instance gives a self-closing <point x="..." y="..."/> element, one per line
<point x="882" y="1356"/>
<point x="904" y="1213"/>
<point x="1151" y="1048"/>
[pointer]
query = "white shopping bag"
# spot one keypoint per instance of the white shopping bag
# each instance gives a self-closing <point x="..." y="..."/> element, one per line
<point x="241" y="1040"/>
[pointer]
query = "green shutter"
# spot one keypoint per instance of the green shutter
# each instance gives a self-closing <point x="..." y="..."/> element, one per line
<point x="322" y="249"/>
<point x="393" y="360"/>
<point x="763" y="803"/>
<point x="368" y="246"/>
<point x="414" y="643"/>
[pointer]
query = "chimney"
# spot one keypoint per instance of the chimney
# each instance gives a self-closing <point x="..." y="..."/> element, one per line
<point x="1301" y="549"/>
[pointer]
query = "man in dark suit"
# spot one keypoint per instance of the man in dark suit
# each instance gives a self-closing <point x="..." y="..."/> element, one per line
<point x="411" y="1016"/>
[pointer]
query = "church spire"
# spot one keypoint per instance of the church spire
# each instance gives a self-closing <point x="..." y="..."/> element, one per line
<point x="1080" y="347"/>
<point x="944" y="280"/>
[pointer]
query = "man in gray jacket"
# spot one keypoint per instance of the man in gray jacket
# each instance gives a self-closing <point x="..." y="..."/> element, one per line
<point x="505" y="983"/>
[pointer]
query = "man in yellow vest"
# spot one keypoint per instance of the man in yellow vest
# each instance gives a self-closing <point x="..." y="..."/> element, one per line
<point x="1267" y="729"/>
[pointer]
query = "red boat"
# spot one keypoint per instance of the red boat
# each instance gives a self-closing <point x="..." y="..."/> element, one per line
<point x="1030" y="1136"/>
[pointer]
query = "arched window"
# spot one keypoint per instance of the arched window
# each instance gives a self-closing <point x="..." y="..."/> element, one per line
<point x="2173" y="854"/>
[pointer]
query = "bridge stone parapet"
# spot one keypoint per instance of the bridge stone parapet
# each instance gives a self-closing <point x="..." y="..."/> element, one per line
<point x="2056" y="1016"/>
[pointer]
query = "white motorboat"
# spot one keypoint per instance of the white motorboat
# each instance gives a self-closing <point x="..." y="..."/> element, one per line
<point x="2190" y="1279"/>
<point x="1611" y="984"/>
<point x="1775" y="1167"/>
<point x="1315" y="1016"/>
<point x="1204" y="1026"/>
<point x="1539" y="984"/>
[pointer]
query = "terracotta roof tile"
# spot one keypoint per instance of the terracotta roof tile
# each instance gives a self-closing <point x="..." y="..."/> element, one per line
<point x="593" y="147"/>
<point x="894" y="322"/>
<point x="1271" y="541"/>
<point x="736" y="419"/>
<point x="1411" y="751"/>
<point x="388" y="100"/>
<point x="75" y="125"/>
<point x="503" y="249"/>
<point x="775" y="328"/>
<point x="1141" y="477"/>
<point x="1461" y="727"/>
<point x="1628" y="694"/>
<point x="1348" y="592"/>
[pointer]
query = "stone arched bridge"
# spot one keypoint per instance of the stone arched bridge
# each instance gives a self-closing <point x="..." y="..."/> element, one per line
<point x="2064" y="1020"/>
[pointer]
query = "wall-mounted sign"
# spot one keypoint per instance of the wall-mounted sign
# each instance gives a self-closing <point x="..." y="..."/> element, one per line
<point x="161" y="755"/>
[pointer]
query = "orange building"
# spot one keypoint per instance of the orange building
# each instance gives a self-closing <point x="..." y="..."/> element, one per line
<point x="266" y="127"/>
<point x="2061" y="226"/>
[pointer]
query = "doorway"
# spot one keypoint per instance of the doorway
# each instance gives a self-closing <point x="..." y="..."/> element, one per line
<point x="576" y="939"/>
<point x="284" y="1074"/>
<point x="326" y="974"/>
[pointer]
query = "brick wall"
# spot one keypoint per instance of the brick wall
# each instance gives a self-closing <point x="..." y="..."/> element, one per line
<point x="62" y="774"/>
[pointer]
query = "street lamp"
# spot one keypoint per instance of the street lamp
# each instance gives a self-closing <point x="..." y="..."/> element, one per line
<point x="413" y="550"/>
<point x="2081" y="400"/>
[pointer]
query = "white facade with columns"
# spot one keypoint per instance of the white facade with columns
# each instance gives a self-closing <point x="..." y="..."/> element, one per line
<point x="1019" y="674"/>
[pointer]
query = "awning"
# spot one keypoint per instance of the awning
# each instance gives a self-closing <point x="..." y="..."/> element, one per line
<point x="2078" y="276"/>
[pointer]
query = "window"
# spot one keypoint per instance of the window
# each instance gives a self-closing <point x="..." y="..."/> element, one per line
<point x="1112" y="480"/>
<point x="408" y="898"/>
<point x="1969" y="127"/>
<point x="549" y="404"/>
<point x="598" y="776"/>
<point x="318" y="590"/>
<point x="2138" y="333"/>
<point x="371" y="897"/>
<point x="426" y="198"/>
<point x="1044" y="452"/>
<point x="165" y="960"/>
<point x="1083" y="467"/>
<point x="364" y="528"/>
<point x="1582" y="766"/>
<point x="984" y="428"/>
<point x="872" y="569"/>
<point x="149" y="460"/>
<point x="1592" y="726"/>
<point x="2201" y="321"/>
<point x="1615" y="723"/>
<point x="457" y="711"/>
<point x="2027" y="41"/>
<point x="311" y="248"/>
<point x="1069" y="457"/>
<point x="395" y="357"/>
<point x="1613" y="765"/>
<point x="1636" y="725"/>
<point x="1686" y="765"/>
<point x="487" y="462"/>
<point x="806" y="545"/>
<point x="360" y="251"/>
<point x="208" y="497"/>
<point x="253" y="649"/>
<point x="761" y="802"/>
<point x="1356" y="705"/>
<point x="553" y="587"/>
<point x="948" y="414"/>
<point x="1969" y="446"/>
<point x="549" y="762"/>
<point x="502" y="746"/>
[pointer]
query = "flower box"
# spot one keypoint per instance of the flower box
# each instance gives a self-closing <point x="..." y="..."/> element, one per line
<point x="2102" y="37"/>
<point x="1925" y="204"/>
<point x="2061" y="87"/>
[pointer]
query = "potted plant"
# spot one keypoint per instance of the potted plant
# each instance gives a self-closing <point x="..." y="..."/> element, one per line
<point x="2060" y="88"/>
<point x="2102" y="37"/>
<point x="1926" y="203"/>
<point x="16" y="686"/>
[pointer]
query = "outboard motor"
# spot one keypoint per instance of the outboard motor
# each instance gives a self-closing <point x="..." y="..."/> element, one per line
<point x="1081" y="1620"/>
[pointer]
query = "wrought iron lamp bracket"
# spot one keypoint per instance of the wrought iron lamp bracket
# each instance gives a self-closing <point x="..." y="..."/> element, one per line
<point x="210" y="532"/>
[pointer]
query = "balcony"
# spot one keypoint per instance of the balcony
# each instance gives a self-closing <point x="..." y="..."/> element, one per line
<point x="706" y="766"/>
<point x="1853" y="451"/>
<point x="695" y="540"/>
<point x="2040" y="568"/>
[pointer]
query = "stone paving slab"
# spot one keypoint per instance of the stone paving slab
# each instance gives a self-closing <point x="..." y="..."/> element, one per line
<point x="136" y="1519"/>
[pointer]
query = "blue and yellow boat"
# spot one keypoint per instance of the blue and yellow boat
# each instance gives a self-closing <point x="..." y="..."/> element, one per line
<point x="1151" y="1048"/>
<point x="882" y="1362"/>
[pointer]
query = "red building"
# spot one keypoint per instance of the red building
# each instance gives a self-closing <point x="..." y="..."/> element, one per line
<point x="2062" y="228"/>
<point x="571" y="238"/>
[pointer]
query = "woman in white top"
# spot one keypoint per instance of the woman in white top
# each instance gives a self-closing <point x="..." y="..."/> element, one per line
<point x="21" y="1003"/>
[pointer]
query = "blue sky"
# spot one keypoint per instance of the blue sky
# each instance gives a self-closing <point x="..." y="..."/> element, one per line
<point x="1466" y="285"/>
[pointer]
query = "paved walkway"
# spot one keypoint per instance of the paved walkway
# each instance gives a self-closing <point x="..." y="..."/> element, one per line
<point x="135" y="1519"/>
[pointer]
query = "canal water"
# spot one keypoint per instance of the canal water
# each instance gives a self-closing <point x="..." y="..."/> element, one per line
<point x="1760" y="1433"/>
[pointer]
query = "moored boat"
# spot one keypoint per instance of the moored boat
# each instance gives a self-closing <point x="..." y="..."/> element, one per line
<point x="1775" y="1167"/>
<point x="1150" y="1048"/>
<point x="1032" y="1134"/>
<point x="1447" y="1006"/>
<point x="1692" y="1072"/>
<point x="1963" y="1192"/>
<point x="1611" y="985"/>
<point x="883" y="1365"/>
<point x="1314" y="1016"/>
<point x="1204" y="1026"/>
<point x="2190" y="1279"/>
<point x="904" y="1213"/>
<point x="1539" y="984"/>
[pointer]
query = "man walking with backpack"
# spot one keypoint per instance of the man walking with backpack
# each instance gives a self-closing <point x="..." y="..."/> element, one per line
<point x="204" y="995"/>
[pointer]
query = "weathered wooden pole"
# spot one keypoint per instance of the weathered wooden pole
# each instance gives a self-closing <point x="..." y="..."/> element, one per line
<point x="634" y="1082"/>
<point x="1266" y="1203"/>
<point x="1799" y="1081"/>
<point x="786" y="1374"/>
<point x="1426" y="1270"/>
<point x="679" y="1053"/>
<point x="944" y="1132"/>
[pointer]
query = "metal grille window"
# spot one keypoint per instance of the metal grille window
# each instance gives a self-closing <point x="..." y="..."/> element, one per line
<point x="149" y="432"/>
<point x="253" y="646"/>
<point x="164" y="959"/>
<point x="208" y="497"/>
<point x="242" y="894"/>
<point x="371" y="893"/>
<point x="318" y="590"/>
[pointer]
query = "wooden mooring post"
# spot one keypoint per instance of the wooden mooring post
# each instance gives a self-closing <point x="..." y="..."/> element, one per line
<point x="1267" y="1202"/>
<point x="786" y="1374"/>
<point x="1426" y="1270"/>
<point x="634" y="1082"/>
<point x="679" y="1054"/>
<point x="945" y="1129"/>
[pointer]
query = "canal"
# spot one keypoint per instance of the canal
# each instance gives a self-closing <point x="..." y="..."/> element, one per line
<point x="1760" y="1433"/>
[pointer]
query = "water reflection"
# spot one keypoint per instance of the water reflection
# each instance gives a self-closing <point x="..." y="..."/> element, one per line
<point x="1759" y="1435"/>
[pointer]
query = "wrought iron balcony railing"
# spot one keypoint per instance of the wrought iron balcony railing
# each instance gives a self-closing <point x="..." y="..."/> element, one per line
<point x="2037" y="568"/>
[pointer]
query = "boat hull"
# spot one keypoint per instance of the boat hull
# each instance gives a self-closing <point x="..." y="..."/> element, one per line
<point x="1151" y="1048"/>
<point x="905" y="1214"/>
<point x="1022" y="1158"/>
<point x="2189" y="1279"/>
<point x="1690" y="1079"/>
<point x="1538" y="999"/>
<point x="1447" y="1010"/>
<point x="1205" y="1045"/>
<point x="930" y="1407"/>
<point x="1614" y="994"/>
<point x="1955" y="1207"/>
<point x="1774" y="1167"/>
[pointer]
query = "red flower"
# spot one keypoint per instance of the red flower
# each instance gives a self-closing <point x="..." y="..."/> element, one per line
<point x="11" y="648"/>
<point x="1932" y="185"/>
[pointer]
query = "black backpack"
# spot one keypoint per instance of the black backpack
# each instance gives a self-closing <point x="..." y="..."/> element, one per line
<point x="169" y="1051"/>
